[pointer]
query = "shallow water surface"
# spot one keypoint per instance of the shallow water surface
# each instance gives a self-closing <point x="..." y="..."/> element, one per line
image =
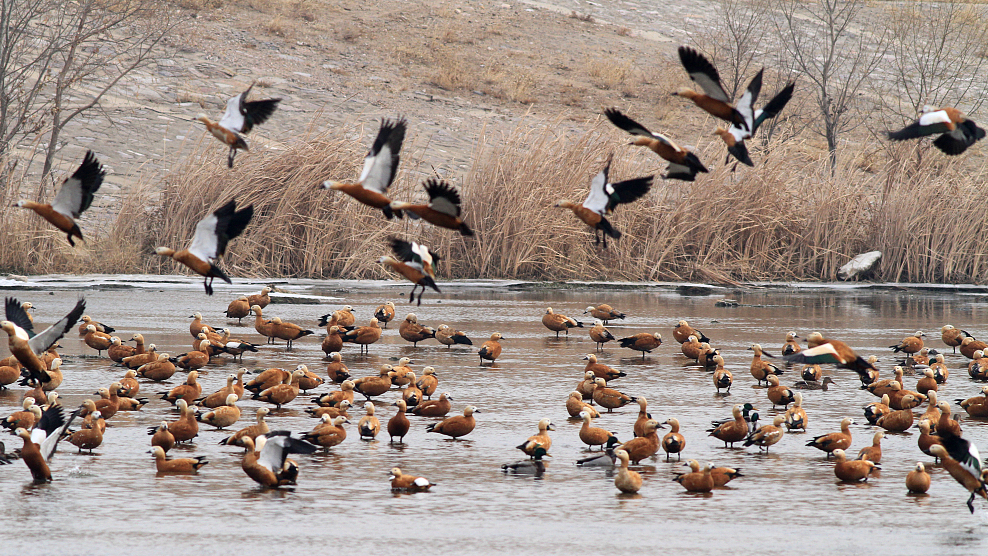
<point x="788" y="501"/>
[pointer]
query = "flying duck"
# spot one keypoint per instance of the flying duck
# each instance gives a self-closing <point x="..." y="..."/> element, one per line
<point x="240" y="117"/>
<point x="604" y="197"/>
<point x="209" y="242"/>
<point x="683" y="165"/>
<point x="72" y="199"/>
<point x="380" y="168"/>
<point x="416" y="263"/>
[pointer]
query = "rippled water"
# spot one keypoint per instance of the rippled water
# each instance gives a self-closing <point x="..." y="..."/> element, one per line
<point x="788" y="502"/>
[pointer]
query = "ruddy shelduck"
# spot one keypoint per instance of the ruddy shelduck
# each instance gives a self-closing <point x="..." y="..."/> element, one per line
<point x="385" y="313"/>
<point x="380" y="169"/>
<point x="411" y="331"/>
<point x="72" y="199"/>
<point x="415" y="262"/>
<point x="240" y="117"/>
<point x="25" y="345"/>
<point x="600" y="334"/>
<point x="40" y="443"/>
<point x="604" y="197"/>
<point x="443" y="209"/>
<point x="957" y="132"/>
<point x="266" y="460"/>
<point x="963" y="461"/>
<point x="910" y="344"/>
<point x="683" y="165"/>
<point x="735" y="135"/>
<point x="628" y="482"/>
<point x="713" y="99"/>
<point x="673" y="442"/>
<point x="541" y="438"/>
<point x="953" y="336"/>
<point x="918" y="480"/>
<point x="364" y="336"/>
<point x="854" y="470"/>
<point x="590" y="435"/>
<point x="398" y="425"/>
<point x="209" y="242"/>
<point x="408" y="483"/>
<point x="643" y="342"/>
<point x="176" y="465"/>
<point x="604" y="312"/>
<point x="455" y="427"/>
<point x="682" y="332"/>
<point x="835" y="440"/>
<point x="697" y="481"/>
<point x="732" y="431"/>
<point x="491" y="349"/>
<point x="448" y="336"/>
<point x="369" y="425"/>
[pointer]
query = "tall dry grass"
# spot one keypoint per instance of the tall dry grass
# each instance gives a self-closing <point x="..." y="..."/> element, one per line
<point x="787" y="219"/>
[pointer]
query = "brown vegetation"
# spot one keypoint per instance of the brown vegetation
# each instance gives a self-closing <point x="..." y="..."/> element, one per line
<point x="787" y="219"/>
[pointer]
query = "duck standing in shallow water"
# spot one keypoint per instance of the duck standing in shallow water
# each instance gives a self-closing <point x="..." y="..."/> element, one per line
<point x="626" y="481"/>
<point x="72" y="199"/>
<point x="534" y="466"/>
<point x="240" y="117"/>
<point x="209" y="242"/>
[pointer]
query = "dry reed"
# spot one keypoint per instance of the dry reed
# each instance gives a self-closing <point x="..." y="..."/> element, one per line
<point x="786" y="219"/>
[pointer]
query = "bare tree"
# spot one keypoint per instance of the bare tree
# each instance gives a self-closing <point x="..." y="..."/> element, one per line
<point x="59" y="58"/>
<point x="736" y="40"/>
<point x="837" y="52"/>
<point x="938" y="57"/>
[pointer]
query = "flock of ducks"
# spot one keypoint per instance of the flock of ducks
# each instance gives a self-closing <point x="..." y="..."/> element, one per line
<point x="42" y="422"/>
<point x="416" y="262"/>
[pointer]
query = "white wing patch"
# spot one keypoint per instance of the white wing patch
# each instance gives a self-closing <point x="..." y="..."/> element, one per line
<point x="938" y="117"/>
<point x="232" y="118"/>
<point x="68" y="201"/>
<point x="443" y="205"/>
<point x="421" y="482"/>
<point x="667" y="141"/>
<point x="273" y="453"/>
<point x="597" y="200"/>
<point x="204" y="242"/>
<point x="377" y="170"/>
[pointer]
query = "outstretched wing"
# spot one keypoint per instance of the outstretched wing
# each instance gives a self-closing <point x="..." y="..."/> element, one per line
<point x="627" y="191"/>
<point x="822" y="354"/>
<point x="77" y="191"/>
<point x="774" y="106"/>
<point x="18" y="315"/>
<point x="277" y="447"/>
<point x="703" y="73"/>
<point x="215" y="230"/>
<point x="930" y="123"/>
<point x="381" y="163"/>
<point x="44" y="340"/>
<point x="442" y="197"/>
<point x="241" y="116"/>
<point x="255" y="112"/>
<point x="957" y="141"/>
<point x="626" y="123"/>
<point x="597" y="199"/>
<point x="402" y="249"/>
<point x="746" y="105"/>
